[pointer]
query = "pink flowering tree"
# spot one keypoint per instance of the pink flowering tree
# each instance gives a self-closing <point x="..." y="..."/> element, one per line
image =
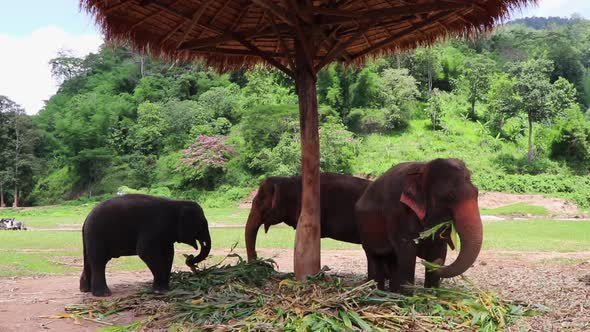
<point x="203" y="162"/>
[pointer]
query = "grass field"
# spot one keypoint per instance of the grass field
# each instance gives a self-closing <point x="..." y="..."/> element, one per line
<point x="56" y="251"/>
<point x="517" y="209"/>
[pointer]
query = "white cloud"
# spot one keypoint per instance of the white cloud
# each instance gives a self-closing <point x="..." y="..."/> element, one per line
<point x="25" y="75"/>
<point x="563" y="8"/>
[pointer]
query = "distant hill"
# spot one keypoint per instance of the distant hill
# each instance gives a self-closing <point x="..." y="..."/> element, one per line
<point x="540" y="23"/>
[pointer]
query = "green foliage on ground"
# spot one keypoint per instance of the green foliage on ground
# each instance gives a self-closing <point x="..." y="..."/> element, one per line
<point x="254" y="296"/>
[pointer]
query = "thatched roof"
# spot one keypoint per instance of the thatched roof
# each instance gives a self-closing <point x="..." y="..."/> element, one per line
<point x="235" y="33"/>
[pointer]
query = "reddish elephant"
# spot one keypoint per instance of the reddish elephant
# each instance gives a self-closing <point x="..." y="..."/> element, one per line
<point x="409" y="198"/>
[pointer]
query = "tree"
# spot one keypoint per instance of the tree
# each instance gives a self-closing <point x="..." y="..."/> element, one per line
<point x="66" y="66"/>
<point x="18" y="152"/>
<point x="502" y="100"/>
<point x="435" y="109"/>
<point x="150" y="129"/>
<point x="426" y="65"/>
<point x="539" y="99"/>
<point x="476" y="73"/>
<point x="397" y="91"/>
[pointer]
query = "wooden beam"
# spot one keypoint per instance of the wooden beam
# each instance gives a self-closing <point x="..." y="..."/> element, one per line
<point x="304" y="41"/>
<point x="233" y="51"/>
<point x="183" y="16"/>
<point x="263" y="54"/>
<point x="403" y="33"/>
<point x="228" y="36"/>
<point x="276" y="10"/>
<point x="196" y="16"/>
<point x="340" y="47"/>
<point x="171" y="33"/>
<point x="307" y="257"/>
<point x="117" y="6"/>
<point x="337" y="16"/>
<point x="282" y="42"/>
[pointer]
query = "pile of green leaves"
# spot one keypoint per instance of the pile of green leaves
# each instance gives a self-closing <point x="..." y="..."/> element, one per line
<point x="255" y="297"/>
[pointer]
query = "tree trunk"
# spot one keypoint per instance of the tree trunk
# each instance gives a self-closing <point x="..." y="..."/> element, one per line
<point x="530" y="153"/>
<point x="472" y="109"/>
<point x="430" y="76"/>
<point x="15" y="203"/>
<point x="307" y="239"/>
<point x="2" y="203"/>
<point x="17" y="148"/>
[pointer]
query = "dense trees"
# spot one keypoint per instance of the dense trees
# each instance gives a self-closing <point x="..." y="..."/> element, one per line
<point x="124" y="120"/>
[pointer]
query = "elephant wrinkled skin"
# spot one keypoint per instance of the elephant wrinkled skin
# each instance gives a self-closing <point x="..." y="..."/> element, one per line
<point x="279" y="200"/>
<point x="409" y="198"/>
<point x="140" y="225"/>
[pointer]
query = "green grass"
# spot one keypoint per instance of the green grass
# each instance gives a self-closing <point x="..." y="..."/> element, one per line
<point x="537" y="235"/>
<point x="74" y="216"/>
<point x="34" y="253"/>
<point x="517" y="209"/>
<point x="52" y="251"/>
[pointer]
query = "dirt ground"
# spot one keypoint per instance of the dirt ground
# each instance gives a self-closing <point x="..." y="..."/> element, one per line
<point x="558" y="281"/>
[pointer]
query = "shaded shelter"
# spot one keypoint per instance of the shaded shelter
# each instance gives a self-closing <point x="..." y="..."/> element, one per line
<point x="299" y="37"/>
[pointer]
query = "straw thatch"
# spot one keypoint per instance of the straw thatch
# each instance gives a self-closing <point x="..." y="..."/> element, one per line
<point x="235" y="33"/>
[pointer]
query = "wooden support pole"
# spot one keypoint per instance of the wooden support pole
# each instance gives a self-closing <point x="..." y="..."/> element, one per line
<point x="307" y="238"/>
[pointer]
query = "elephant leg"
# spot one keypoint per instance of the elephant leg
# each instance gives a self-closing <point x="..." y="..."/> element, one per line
<point x="98" y="279"/>
<point x="436" y="252"/>
<point x="377" y="270"/>
<point x="404" y="270"/>
<point x="159" y="261"/>
<point x="85" y="285"/>
<point x="370" y="266"/>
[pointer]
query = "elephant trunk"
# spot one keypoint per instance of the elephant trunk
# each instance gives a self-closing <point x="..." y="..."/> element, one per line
<point x="252" y="226"/>
<point x="469" y="227"/>
<point x="205" y="250"/>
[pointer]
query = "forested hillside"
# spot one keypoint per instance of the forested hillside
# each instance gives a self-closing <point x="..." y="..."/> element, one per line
<point x="513" y="105"/>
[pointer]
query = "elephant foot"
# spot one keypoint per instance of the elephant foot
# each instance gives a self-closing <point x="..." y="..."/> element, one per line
<point x="84" y="286"/>
<point x="160" y="289"/>
<point x="101" y="292"/>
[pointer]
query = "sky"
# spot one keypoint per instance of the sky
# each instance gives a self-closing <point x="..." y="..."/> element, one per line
<point x="33" y="31"/>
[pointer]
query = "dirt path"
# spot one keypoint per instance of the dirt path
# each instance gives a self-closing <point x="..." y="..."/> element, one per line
<point x="560" y="281"/>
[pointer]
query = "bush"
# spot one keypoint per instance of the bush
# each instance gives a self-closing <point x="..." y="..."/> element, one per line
<point x="221" y="197"/>
<point x="572" y="143"/>
<point x="203" y="163"/>
<point x="262" y="127"/>
<point x="337" y="151"/>
<point x="53" y="188"/>
<point x="575" y="188"/>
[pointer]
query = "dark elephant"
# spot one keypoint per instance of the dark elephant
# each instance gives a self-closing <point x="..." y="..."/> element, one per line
<point x="140" y="225"/>
<point x="410" y="198"/>
<point x="279" y="200"/>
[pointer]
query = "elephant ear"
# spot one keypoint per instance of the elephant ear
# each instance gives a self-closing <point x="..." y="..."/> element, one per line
<point x="186" y="223"/>
<point x="412" y="195"/>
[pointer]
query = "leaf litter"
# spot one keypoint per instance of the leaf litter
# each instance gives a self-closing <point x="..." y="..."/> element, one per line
<point x="256" y="297"/>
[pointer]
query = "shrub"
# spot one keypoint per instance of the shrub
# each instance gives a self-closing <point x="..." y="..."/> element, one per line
<point x="203" y="163"/>
<point x="337" y="150"/>
<point x="369" y="120"/>
<point x="53" y="188"/>
<point x="572" y="143"/>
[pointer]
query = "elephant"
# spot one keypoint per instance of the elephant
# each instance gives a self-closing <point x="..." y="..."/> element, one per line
<point x="140" y="225"/>
<point x="279" y="200"/>
<point x="409" y="198"/>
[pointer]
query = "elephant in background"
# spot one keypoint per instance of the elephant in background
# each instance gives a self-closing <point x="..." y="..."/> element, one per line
<point x="140" y="225"/>
<point x="279" y="200"/>
<point x="409" y="198"/>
